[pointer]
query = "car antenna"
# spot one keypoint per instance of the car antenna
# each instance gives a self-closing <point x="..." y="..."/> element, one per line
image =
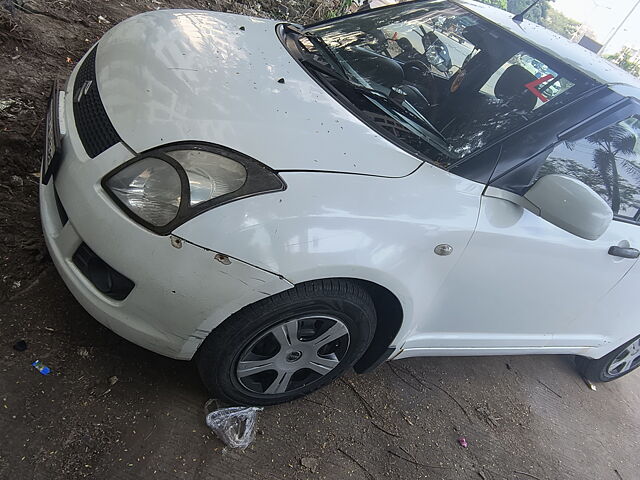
<point x="520" y="16"/>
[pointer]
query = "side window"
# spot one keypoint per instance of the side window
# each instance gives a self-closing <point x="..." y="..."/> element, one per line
<point x="608" y="161"/>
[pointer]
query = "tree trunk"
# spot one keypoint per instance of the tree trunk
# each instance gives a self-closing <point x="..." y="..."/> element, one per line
<point x="615" y="188"/>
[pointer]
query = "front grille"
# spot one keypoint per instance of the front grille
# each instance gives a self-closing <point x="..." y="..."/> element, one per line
<point x="94" y="127"/>
<point x="107" y="280"/>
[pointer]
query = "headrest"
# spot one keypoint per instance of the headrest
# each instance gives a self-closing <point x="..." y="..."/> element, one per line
<point x="377" y="68"/>
<point x="404" y="43"/>
<point x="475" y="35"/>
<point x="511" y="87"/>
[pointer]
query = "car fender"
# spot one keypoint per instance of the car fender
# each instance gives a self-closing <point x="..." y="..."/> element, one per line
<point x="329" y="225"/>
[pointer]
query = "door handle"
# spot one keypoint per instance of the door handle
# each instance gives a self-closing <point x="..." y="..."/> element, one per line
<point x="624" y="252"/>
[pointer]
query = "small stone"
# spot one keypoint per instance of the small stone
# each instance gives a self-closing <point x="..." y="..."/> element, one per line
<point x="16" y="181"/>
<point x="113" y="380"/>
<point x="283" y="9"/>
<point x="281" y="80"/>
<point x="310" y="463"/>
<point x="589" y="384"/>
<point x="83" y="352"/>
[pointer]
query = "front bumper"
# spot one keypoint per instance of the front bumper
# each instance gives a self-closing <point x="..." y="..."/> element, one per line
<point x="180" y="294"/>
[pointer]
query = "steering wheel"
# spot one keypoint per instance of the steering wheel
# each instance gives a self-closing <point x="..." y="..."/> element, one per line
<point x="419" y="73"/>
<point x="416" y="71"/>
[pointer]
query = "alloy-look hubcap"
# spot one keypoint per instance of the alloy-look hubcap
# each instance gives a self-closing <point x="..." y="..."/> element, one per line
<point x="293" y="354"/>
<point x="626" y="360"/>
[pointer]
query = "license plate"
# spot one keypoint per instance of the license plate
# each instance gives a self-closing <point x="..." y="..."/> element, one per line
<point x="52" y="144"/>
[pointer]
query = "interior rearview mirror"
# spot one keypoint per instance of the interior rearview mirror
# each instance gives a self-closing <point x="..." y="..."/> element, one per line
<point x="570" y="205"/>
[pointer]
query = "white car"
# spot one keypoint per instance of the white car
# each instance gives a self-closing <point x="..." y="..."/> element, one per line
<point x="282" y="203"/>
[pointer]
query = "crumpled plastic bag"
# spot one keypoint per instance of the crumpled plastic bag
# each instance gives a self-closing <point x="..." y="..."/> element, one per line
<point x="235" y="426"/>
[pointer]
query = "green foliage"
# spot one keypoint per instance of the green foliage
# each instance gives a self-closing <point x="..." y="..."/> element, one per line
<point x="496" y="3"/>
<point x="341" y="9"/>
<point x="536" y="14"/>
<point x="623" y="60"/>
<point x="542" y="14"/>
<point x="558" y="22"/>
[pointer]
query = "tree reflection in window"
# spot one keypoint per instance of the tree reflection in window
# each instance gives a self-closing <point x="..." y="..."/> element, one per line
<point x="607" y="161"/>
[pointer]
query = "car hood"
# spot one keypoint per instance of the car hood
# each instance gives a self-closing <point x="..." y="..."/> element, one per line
<point x="178" y="75"/>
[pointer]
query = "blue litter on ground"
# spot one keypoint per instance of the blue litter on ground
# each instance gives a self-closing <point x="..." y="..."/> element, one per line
<point x="41" y="367"/>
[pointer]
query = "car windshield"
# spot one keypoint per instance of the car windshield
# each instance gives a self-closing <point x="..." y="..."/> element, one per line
<point x="434" y="77"/>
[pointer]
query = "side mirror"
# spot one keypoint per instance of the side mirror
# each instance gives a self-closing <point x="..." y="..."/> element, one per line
<point x="570" y="205"/>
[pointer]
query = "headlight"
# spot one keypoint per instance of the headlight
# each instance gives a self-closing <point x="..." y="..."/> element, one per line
<point x="210" y="175"/>
<point x="164" y="188"/>
<point x="150" y="189"/>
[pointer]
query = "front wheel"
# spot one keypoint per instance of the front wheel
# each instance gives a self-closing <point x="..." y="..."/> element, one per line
<point x="616" y="364"/>
<point x="289" y="344"/>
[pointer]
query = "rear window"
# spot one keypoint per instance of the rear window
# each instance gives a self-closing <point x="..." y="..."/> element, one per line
<point x="547" y="85"/>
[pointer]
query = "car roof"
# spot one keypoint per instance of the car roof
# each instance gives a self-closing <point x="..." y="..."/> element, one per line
<point x="557" y="46"/>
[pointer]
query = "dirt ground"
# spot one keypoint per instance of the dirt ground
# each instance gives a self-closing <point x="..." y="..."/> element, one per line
<point x="523" y="417"/>
<point x="111" y="410"/>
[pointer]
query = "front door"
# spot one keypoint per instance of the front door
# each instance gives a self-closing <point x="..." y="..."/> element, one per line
<point x="523" y="284"/>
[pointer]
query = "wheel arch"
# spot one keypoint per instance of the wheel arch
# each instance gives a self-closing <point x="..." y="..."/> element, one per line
<point x="390" y="316"/>
<point x="389" y="319"/>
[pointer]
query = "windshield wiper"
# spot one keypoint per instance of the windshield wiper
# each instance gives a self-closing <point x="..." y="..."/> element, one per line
<point x="424" y="123"/>
<point x="342" y="78"/>
<point x="394" y="100"/>
<point x="320" y="44"/>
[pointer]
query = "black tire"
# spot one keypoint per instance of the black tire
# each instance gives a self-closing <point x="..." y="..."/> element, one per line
<point x="598" y="370"/>
<point x="340" y="301"/>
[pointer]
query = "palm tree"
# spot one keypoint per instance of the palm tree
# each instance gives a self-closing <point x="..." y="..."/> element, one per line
<point x="615" y="144"/>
